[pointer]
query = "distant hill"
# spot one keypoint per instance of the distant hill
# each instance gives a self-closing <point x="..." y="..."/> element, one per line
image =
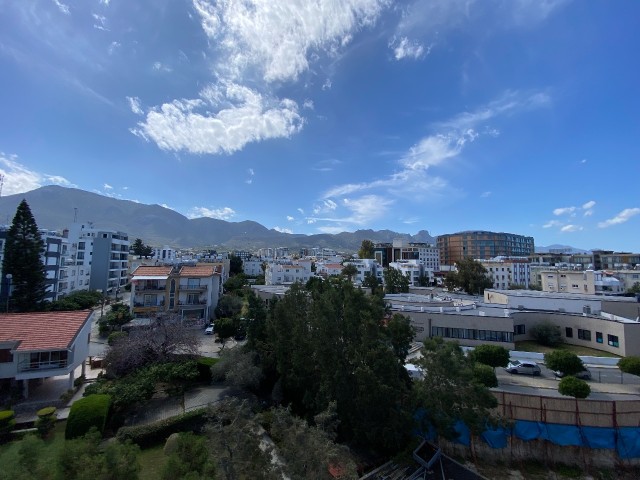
<point x="560" y="249"/>
<point x="55" y="208"/>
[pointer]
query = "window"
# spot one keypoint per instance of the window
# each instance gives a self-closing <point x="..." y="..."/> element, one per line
<point x="599" y="337"/>
<point x="612" y="341"/>
<point x="519" y="329"/>
<point x="6" y="355"/>
<point x="81" y="246"/>
<point x="584" y="334"/>
<point x="568" y="331"/>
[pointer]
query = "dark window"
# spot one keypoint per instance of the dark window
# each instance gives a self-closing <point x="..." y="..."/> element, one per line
<point x="584" y="334"/>
<point x="519" y="329"/>
<point x="568" y="331"/>
<point x="599" y="337"/>
<point x="5" y="355"/>
<point x="612" y="340"/>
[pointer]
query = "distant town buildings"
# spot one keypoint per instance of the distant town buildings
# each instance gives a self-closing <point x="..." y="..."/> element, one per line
<point x="482" y="245"/>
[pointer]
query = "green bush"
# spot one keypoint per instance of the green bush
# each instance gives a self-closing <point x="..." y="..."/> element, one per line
<point x="79" y="381"/>
<point x="204" y="365"/>
<point x="546" y="333"/>
<point x="156" y="433"/>
<point x="115" y="336"/>
<point x="46" y="421"/>
<point x="46" y="412"/>
<point x="91" y="411"/>
<point x="574" y="387"/>
<point x="485" y="375"/>
<point x="7" y="422"/>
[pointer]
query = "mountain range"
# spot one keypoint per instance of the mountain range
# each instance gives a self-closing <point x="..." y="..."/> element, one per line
<point x="56" y="208"/>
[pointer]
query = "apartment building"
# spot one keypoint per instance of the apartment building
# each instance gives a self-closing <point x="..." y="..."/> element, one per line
<point x="507" y="272"/>
<point x="287" y="273"/>
<point x="482" y="245"/>
<point x="575" y="281"/>
<point x="412" y="269"/>
<point x="366" y="266"/>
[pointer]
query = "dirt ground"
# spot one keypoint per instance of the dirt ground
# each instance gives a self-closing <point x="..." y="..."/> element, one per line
<point x="538" y="471"/>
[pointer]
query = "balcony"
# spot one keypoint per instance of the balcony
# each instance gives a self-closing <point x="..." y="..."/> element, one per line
<point x="194" y="288"/>
<point x="148" y="304"/>
<point x="149" y="288"/>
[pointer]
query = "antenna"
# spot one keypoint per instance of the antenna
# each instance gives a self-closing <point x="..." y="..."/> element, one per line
<point x="1" y="182"/>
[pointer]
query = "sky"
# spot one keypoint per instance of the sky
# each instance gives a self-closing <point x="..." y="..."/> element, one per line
<point x="325" y="116"/>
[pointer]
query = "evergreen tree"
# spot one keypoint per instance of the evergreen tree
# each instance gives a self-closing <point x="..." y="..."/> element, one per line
<point x="23" y="261"/>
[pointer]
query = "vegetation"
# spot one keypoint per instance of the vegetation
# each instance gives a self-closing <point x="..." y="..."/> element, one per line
<point x="471" y="276"/>
<point x="634" y="289"/>
<point x="235" y="265"/>
<point x="7" y="422"/>
<point x="90" y="411"/>
<point x="140" y="249"/>
<point x="574" y="387"/>
<point x="395" y="281"/>
<point x="366" y="249"/>
<point x="78" y="300"/>
<point x="563" y="361"/>
<point x="450" y="390"/>
<point x="22" y="260"/>
<point x="532" y="346"/>
<point x="485" y="375"/>
<point x="349" y="271"/>
<point x="235" y="284"/>
<point x="46" y="421"/>
<point x="630" y="365"/>
<point x="546" y="333"/>
<point x="492" y="355"/>
<point x="189" y="459"/>
<point x="370" y="281"/>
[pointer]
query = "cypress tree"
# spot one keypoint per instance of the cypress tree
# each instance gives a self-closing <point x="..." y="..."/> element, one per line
<point x="22" y="259"/>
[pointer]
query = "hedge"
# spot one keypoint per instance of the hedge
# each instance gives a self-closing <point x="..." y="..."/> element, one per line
<point x="7" y="422"/>
<point x="90" y="411"/>
<point x="204" y="368"/>
<point x="156" y="433"/>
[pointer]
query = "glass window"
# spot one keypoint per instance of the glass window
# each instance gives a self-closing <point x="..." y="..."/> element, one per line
<point x="599" y="337"/>
<point x="568" y="332"/>
<point x="584" y="334"/>
<point x="612" y="341"/>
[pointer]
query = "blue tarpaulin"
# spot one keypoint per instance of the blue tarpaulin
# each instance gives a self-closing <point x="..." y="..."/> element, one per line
<point x="496" y="438"/>
<point x="525" y="430"/>
<point x="599" y="437"/>
<point x="565" y="435"/>
<point x="628" y="444"/>
<point x="462" y="430"/>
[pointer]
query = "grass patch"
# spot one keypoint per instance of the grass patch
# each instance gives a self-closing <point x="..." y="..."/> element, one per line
<point x="152" y="462"/>
<point x="531" y="346"/>
<point x="52" y="447"/>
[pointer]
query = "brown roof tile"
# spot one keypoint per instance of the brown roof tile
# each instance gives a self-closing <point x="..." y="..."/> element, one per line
<point x="197" y="271"/>
<point x="152" y="270"/>
<point x="42" y="330"/>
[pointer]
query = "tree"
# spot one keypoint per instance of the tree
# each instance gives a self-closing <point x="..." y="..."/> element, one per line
<point x="190" y="458"/>
<point x="235" y="265"/>
<point x="78" y="300"/>
<point x="225" y="328"/>
<point x="630" y="365"/>
<point x="563" y="361"/>
<point x="450" y="391"/>
<point x="235" y="284"/>
<point x="22" y="260"/>
<point x="239" y="368"/>
<point x="229" y="306"/>
<point x="370" y="281"/>
<point x="395" y="281"/>
<point x="485" y="375"/>
<point x="574" y="387"/>
<point x="366" y="249"/>
<point x="492" y="355"/>
<point x="546" y="333"/>
<point x="634" y="290"/>
<point x="471" y="276"/>
<point x="140" y="249"/>
<point x="349" y="271"/>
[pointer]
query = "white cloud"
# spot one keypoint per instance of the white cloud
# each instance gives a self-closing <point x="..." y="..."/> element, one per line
<point x="564" y="211"/>
<point x="290" y="218"/>
<point x="621" y="217"/>
<point x="283" y="230"/>
<point x="485" y="194"/>
<point x="101" y="22"/>
<point x="276" y="39"/>
<point x="552" y="223"/>
<point x="161" y="67"/>
<point x="19" y="179"/>
<point x="134" y="104"/>
<point x="105" y="2"/>
<point x="327" y="84"/>
<point x="301" y="211"/>
<point x="62" y="7"/>
<point x="113" y="46"/>
<point x="106" y="186"/>
<point x="571" y="228"/>
<point x="308" y="104"/>
<point x="224" y="213"/>
<point x="406" y="48"/>
<point x="583" y="161"/>
<point x="324" y="207"/>
<point x="243" y="115"/>
<point x="251" y="175"/>
<point x="589" y="205"/>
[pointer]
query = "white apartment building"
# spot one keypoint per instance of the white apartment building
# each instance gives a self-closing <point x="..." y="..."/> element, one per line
<point x="506" y="272"/>
<point x="411" y="268"/>
<point x="366" y="266"/>
<point x="285" y="274"/>
<point x="588" y="282"/>
<point x="164" y="254"/>
<point x="252" y="267"/>
<point x="425" y="254"/>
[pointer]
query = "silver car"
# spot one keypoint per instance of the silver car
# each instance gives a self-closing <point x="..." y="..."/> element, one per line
<point x="584" y="374"/>
<point x="524" y="367"/>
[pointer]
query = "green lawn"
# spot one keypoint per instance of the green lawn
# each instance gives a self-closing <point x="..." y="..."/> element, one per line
<point x="152" y="461"/>
<point x="531" y="346"/>
<point x="53" y="445"/>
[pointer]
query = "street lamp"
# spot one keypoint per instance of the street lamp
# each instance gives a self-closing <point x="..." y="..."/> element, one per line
<point x="8" y="276"/>
<point x="117" y="292"/>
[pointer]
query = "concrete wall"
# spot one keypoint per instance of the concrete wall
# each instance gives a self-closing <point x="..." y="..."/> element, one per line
<point x="630" y="310"/>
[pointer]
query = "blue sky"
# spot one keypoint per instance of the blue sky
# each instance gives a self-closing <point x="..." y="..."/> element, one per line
<point x="334" y="115"/>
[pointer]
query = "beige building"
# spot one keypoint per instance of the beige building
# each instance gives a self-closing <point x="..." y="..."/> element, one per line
<point x="588" y="282"/>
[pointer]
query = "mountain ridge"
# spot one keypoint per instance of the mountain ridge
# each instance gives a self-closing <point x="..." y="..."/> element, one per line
<point x="55" y="208"/>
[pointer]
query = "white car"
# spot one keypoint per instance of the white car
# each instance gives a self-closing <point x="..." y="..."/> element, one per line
<point x="209" y="330"/>
<point x="524" y="367"/>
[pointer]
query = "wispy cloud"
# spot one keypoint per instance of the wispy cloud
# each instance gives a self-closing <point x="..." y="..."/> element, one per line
<point x="106" y="186"/>
<point x="622" y="217"/>
<point x="571" y="228"/>
<point x="552" y="223"/>
<point x="564" y="211"/>
<point x="405" y="48"/>
<point x="283" y="230"/>
<point x="20" y="179"/>
<point x="588" y="208"/>
<point x="485" y="194"/>
<point x="62" y="7"/>
<point x="134" y="104"/>
<point x="101" y="22"/>
<point x="290" y="218"/>
<point x="161" y="67"/>
<point x="224" y="213"/>
<point x="251" y="173"/>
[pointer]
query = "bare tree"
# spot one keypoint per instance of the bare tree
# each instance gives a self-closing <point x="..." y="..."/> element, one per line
<point x="165" y="340"/>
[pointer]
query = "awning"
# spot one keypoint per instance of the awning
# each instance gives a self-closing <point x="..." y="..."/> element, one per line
<point x="149" y="277"/>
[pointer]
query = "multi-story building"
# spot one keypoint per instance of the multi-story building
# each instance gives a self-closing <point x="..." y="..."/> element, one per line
<point x="164" y="254"/>
<point x="287" y="273"/>
<point x="366" y="266"/>
<point x="413" y="269"/>
<point x="189" y="291"/>
<point x="252" y="267"/>
<point x="328" y="269"/>
<point x="482" y="245"/>
<point x="383" y="253"/>
<point x="105" y="253"/>
<point x="506" y="272"/>
<point x="588" y="282"/>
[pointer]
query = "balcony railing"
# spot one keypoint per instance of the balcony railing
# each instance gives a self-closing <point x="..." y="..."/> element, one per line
<point x="148" y="304"/>
<point x="27" y="366"/>
<point x="200" y="288"/>
<point x="193" y="304"/>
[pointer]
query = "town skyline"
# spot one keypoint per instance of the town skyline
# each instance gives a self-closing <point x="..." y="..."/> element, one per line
<point x="333" y="116"/>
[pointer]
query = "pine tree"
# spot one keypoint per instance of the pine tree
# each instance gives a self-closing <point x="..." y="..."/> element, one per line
<point x="23" y="261"/>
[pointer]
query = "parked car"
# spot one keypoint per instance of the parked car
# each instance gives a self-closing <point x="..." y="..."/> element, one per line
<point x="584" y="374"/>
<point x="524" y="367"/>
<point x="209" y="330"/>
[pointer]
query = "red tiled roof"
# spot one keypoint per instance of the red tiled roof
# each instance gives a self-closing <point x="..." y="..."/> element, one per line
<point x="151" y="270"/>
<point x="42" y="330"/>
<point x="197" y="271"/>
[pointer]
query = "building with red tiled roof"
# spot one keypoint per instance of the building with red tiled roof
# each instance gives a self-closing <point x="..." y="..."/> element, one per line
<point x="43" y="344"/>
<point x="189" y="291"/>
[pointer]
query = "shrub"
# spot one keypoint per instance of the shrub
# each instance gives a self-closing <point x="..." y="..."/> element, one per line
<point x="485" y="375"/>
<point x="91" y="411"/>
<point x="155" y="433"/>
<point x="546" y="333"/>
<point x="492" y="355"/>
<point x="115" y="336"/>
<point x="630" y="365"/>
<point x="574" y="387"/>
<point x="564" y="361"/>
<point x="46" y="421"/>
<point x="79" y="381"/>
<point x="7" y="422"/>
<point x="204" y="365"/>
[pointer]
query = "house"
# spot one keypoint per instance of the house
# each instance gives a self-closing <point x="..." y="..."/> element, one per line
<point x="40" y="345"/>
